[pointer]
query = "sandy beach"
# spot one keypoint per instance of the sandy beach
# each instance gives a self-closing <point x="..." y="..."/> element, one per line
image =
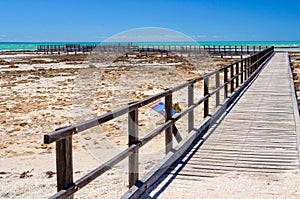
<point x="43" y="92"/>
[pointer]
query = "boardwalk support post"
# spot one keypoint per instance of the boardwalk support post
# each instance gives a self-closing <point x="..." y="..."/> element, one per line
<point x="64" y="164"/>
<point x="242" y="72"/>
<point x="217" y="86"/>
<point x="232" y="80"/>
<point x="206" y="92"/>
<point x="190" y="103"/>
<point x="237" y="76"/>
<point x="169" y="131"/>
<point x="225" y="82"/>
<point x="133" y="137"/>
<point x="248" y="67"/>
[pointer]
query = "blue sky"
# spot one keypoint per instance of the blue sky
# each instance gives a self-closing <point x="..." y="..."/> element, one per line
<point x="95" y="20"/>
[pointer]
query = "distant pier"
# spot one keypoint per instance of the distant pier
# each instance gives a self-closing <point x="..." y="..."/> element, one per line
<point x="128" y="48"/>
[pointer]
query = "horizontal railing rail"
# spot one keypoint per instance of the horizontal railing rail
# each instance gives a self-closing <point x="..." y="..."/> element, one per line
<point x="234" y="76"/>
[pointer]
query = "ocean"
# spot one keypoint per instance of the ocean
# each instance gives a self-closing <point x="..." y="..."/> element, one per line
<point x="31" y="46"/>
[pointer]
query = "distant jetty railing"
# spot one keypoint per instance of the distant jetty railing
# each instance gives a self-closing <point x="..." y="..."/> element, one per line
<point x="65" y="48"/>
<point x="232" y="79"/>
<point x="211" y="49"/>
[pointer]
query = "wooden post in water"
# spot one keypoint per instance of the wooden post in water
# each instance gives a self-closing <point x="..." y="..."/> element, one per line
<point x="133" y="137"/>
<point x="64" y="164"/>
<point x="206" y="92"/>
<point x="169" y="131"/>
<point x="190" y="103"/>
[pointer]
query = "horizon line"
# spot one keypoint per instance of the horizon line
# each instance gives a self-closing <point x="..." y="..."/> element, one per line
<point x="148" y="41"/>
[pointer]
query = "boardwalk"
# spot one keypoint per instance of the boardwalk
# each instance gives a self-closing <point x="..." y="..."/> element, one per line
<point x="251" y="152"/>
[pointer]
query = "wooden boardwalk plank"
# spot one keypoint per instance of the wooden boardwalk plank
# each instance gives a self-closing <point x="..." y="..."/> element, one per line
<point x="257" y="137"/>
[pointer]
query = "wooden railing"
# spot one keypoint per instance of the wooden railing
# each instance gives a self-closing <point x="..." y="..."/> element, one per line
<point x="212" y="49"/>
<point x="65" y="48"/>
<point x="236" y="77"/>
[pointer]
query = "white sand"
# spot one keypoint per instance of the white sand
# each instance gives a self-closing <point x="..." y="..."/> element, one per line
<point x="38" y="98"/>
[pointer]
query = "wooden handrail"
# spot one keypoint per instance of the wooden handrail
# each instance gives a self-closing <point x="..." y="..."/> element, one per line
<point x="70" y="130"/>
<point x="244" y="69"/>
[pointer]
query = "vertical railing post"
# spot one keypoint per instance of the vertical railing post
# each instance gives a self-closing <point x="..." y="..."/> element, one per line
<point x="64" y="164"/>
<point x="253" y="65"/>
<point x="190" y="103"/>
<point x="133" y="137"/>
<point x="206" y="92"/>
<point x="232" y="80"/>
<point x="248" y="67"/>
<point x="226" y="83"/>
<point x="217" y="86"/>
<point x="245" y="68"/>
<point x="169" y="131"/>
<point x="237" y="76"/>
<point x="242" y="71"/>
<point x="257" y="62"/>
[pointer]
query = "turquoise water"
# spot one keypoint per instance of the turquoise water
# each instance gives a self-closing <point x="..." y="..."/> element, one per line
<point x="21" y="46"/>
<point x="24" y="46"/>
